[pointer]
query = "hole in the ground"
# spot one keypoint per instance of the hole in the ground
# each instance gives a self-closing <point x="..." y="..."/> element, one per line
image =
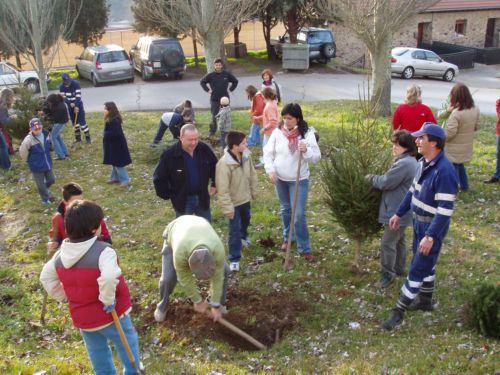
<point x="265" y="318"/>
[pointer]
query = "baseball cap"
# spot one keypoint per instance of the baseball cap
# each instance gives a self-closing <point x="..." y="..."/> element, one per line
<point x="202" y="263"/>
<point x="65" y="77"/>
<point x="430" y="128"/>
<point x="35" y="123"/>
<point x="224" y="100"/>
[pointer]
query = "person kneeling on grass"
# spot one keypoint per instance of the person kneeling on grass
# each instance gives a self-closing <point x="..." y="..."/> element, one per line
<point x="85" y="274"/>
<point x="236" y="182"/>
<point x="192" y="250"/>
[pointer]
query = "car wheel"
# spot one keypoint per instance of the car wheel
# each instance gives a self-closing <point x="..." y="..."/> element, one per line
<point x="178" y="76"/>
<point x="449" y="75"/>
<point x="328" y="50"/>
<point x="33" y="85"/>
<point x="144" y="75"/>
<point x="95" y="82"/>
<point x="131" y="79"/>
<point x="408" y="72"/>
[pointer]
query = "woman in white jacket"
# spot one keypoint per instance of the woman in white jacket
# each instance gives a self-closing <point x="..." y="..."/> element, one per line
<point x="294" y="139"/>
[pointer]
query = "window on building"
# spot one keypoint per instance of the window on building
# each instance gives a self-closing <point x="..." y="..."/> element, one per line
<point x="460" y="27"/>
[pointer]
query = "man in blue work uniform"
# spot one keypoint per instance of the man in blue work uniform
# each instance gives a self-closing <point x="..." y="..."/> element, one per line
<point x="431" y="198"/>
<point x="72" y="93"/>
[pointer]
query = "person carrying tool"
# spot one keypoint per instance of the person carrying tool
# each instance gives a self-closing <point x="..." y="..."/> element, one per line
<point x="85" y="274"/>
<point x="71" y="91"/>
<point x="193" y="250"/>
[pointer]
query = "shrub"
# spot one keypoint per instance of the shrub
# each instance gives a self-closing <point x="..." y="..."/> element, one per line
<point x="26" y="106"/>
<point x="483" y="312"/>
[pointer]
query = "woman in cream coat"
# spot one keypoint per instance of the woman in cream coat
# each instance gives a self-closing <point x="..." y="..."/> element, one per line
<point x="460" y="127"/>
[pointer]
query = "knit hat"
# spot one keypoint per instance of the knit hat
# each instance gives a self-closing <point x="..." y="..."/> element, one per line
<point x="224" y="100"/>
<point x="430" y="128"/>
<point x="65" y="77"/>
<point x="202" y="263"/>
<point x="35" y="123"/>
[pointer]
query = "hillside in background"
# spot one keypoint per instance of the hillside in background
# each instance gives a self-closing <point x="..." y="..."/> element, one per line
<point x="120" y="14"/>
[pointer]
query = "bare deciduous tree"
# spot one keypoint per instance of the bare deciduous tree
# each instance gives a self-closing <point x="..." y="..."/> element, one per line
<point x="375" y="22"/>
<point x="33" y="29"/>
<point x="212" y="19"/>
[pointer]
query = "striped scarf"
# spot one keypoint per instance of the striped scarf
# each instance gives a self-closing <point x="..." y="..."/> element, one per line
<point x="292" y="136"/>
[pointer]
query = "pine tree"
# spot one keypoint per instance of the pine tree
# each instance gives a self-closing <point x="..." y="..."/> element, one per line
<point x="91" y="19"/>
<point x="358" y="149"/>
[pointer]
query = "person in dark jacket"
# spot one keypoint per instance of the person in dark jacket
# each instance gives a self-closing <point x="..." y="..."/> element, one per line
<point x="115" y="148"/>
<point x="6" y="102"/>
<point x="35" y="149"/>
<point x="183" y="173"/>
<point x="56" y="111"/>
<point x="219" y="81"/>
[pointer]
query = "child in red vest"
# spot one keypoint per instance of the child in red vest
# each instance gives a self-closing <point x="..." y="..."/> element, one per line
<point x="71" y="192"/>
<point x="85" y="274"/>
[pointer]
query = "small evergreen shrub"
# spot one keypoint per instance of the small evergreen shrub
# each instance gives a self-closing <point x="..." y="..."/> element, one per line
<point x="26" y="107"/>
<point x="483" y="312"/>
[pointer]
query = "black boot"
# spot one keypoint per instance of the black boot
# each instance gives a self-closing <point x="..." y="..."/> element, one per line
<point x="394" y="319"/>
<point x="422" y="302"/>
<point x="87" y="138"/>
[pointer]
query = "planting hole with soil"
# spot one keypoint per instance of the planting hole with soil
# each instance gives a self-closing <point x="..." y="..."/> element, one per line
<point x="266" y="318"/>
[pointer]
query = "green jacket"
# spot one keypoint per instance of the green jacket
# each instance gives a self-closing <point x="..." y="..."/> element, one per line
<point x="236" y="183"/>
<point x="184" y="235"/>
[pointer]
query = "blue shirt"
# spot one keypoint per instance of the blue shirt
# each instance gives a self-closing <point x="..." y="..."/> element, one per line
<point x="193" y="173"/>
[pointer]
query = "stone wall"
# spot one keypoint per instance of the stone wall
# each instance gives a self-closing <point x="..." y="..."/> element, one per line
<point x="437" y="27"/>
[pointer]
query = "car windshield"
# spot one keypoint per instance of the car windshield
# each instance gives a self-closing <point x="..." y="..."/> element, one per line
<point x="157" y="50"/>
<point x="319" y="37"/>
<point x="399" y="51"/>
<point x="112" y="56"/>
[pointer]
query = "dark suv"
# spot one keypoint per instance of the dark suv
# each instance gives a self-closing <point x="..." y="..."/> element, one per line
<point x="155" y="56"/>
<point x="321" y="43"/>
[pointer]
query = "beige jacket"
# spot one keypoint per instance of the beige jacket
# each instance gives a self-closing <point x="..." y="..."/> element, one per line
<point x="236" y="184"/>
<point x="460" y="128"/>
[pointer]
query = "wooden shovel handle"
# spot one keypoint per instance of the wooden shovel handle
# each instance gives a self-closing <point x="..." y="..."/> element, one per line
<point x="241" y="333"/>
<point x="124" y="341"/>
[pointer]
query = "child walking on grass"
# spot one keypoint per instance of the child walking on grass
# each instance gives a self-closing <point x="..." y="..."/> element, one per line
<point x="35" y="150"/>
<point x="224" y="117"/>
<point x="256" y="111"/>
<point x="85" y="274"/>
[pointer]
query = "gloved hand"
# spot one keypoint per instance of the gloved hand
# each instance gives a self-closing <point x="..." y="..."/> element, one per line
<point x="110" y="308"/>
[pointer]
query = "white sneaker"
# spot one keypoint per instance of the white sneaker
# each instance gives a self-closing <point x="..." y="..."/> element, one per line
<point x="245" y="242"/>
<point x="234" y="266"/>
<point x="160" y="316"/>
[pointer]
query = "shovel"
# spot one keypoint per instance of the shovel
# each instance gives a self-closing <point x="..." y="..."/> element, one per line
<point x="125" y="343"/>
<point x="287" y="266"/>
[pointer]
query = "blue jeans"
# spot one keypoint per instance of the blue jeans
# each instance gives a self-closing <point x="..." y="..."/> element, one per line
<point x="462" y="176"/>
<point x="238" y="229"/>
<point x="161" y="131"/>
<point x="4" y="152"/>
<point x="497" y="171"/>
<point x="285" y="190"/>
<point x="193" y="208"/>
<point x="254" y="137"/>
<point x="99" y="351"/>
<point x="119" y="174"/>
<point x="223" y="139"/>
<point x="59" y="146"/>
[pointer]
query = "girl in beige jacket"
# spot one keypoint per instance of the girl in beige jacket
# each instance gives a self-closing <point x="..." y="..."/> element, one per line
<point x="460" y="127"/>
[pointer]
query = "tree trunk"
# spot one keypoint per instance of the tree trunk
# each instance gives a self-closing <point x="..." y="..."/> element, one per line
<point x="37" y="48"/>
<point x="381" y="78"/>
<point x="292" y="25"/>
<point x="195" y="47"/>
<point x="212" y="43"/>
<point x="18" y="60"/>
<point x="266" y="29"/>
<point x="236" y="32"/>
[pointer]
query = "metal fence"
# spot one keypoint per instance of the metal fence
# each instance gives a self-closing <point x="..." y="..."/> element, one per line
<point x="461" y="55"/>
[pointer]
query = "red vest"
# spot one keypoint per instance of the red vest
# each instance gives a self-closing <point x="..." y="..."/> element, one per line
<point x="82" y="290"/>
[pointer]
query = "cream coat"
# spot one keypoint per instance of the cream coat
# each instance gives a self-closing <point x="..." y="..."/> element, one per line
<point x="460" y="128"/>
<point x="236" y="184"/>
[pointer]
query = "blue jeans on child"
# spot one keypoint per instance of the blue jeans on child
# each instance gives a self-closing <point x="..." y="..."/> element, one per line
<point x="59" y="146"/>
<point x="193" y="208"/>
<point x="99" y="351"/>
<point x="119" y="174"/>
<point x="254" y="137"/>
<point x="497" y="170"/>
<point x="223" y="139"/>
<point x="238" y="230"/>
<point x="4" y="152"/>
<point x="462" y="176"/>
<point x="285" y="191"/>
<point x="43" y="181"/>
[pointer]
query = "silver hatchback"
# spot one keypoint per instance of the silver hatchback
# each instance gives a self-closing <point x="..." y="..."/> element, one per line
<point x="105" y="63"/>
<point x="409" y="62"/>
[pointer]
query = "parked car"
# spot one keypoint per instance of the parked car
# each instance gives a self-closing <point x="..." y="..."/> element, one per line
<point x="10" y="76"/>
<point x="104" y="63"/>
<point x="321" y="42"/>
<point x="156" y="56"/>
<point x="410" y="62"/>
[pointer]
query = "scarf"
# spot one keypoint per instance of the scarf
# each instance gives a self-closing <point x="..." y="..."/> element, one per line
<point x="293" y="138"/>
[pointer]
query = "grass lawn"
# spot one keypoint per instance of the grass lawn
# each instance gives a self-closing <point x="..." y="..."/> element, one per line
<point x="304" y="315"/>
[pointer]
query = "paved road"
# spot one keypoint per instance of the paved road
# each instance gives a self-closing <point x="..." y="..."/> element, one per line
<point x="162" y="95"/>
